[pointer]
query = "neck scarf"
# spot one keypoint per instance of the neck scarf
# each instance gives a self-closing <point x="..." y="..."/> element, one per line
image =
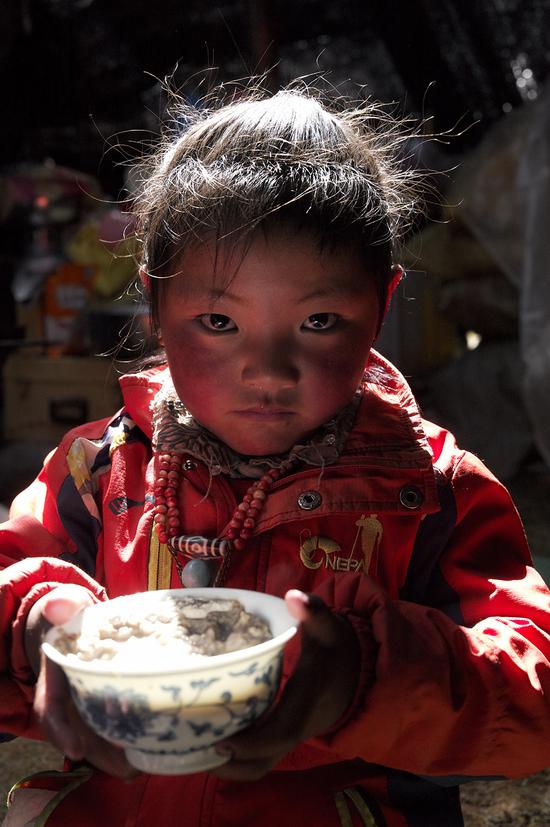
<point x="175" y="429"/>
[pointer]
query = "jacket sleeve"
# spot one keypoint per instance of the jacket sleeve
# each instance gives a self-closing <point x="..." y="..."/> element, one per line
<point x="32" y="543"/>
<point x="460" y="687"/>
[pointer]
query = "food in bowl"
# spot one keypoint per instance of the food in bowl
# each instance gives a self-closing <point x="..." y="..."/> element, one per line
<point x="168" y="712"/>
<point x="181" y="626"/>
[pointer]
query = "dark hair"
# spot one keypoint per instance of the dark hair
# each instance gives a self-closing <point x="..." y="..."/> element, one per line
<point x="265" y="161"/>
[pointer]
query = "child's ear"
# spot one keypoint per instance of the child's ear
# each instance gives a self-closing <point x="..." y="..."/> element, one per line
<point x="397" y="274"/>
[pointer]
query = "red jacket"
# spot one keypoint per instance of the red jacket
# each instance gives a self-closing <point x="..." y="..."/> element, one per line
<point x="453" y="622"/>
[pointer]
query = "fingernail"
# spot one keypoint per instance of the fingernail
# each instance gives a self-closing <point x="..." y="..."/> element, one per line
<point x="296" y="594"/>
<point x="75" y="753"/>
<point x="73" y="747"/>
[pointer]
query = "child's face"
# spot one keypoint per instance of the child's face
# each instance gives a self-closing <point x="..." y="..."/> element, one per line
<point x="266" y="348"/>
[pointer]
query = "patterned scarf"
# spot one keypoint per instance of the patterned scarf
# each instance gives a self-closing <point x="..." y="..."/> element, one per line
<point x="175" y="429"/>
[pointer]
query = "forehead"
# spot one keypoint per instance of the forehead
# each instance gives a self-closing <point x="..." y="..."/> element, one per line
<point x="276" y="261"/>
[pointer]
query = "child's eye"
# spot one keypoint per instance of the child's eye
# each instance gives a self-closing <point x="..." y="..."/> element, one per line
<point x="217" y="322"/>
<point x="321" y="321"/>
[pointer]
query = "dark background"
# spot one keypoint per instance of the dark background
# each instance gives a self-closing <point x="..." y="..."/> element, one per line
<point x="78" y="74"/>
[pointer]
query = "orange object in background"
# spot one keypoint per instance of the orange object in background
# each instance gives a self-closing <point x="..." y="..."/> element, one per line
<point x="66" y="293"/>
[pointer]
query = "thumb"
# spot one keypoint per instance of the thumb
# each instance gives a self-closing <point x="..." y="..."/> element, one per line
<point x="319" y="624"/>
<point x="64" y="602"/>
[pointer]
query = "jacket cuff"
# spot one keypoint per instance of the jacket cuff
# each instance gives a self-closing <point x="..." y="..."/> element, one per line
<point x="49" y="574"/>
<point x="367" y="670"/>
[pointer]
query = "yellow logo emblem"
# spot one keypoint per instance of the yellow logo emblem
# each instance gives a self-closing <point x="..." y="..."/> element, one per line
<point x="316" y="552"/>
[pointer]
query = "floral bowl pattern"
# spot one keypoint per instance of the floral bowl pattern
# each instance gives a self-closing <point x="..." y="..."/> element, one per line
<point x="169" y="716"/>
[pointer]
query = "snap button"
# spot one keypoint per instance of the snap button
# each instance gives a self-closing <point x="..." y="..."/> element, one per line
<point x="189" y="465"/>
<point x="411" y="497"/>
<point x="309" y="500"/>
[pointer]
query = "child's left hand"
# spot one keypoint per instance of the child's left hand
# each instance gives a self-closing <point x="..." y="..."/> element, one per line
<point x="316" y="696"/>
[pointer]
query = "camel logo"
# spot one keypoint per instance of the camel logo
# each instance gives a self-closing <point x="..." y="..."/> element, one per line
<point x="316" y="552"/>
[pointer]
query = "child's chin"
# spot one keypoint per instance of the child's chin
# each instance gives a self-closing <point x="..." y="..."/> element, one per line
<point x="250" y="447"/>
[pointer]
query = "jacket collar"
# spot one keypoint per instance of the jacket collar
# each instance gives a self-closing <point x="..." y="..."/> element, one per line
<point x="388" y="424"/>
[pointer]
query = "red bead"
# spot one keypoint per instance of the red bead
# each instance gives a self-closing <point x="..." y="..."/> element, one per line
<point x="166" y="515"/>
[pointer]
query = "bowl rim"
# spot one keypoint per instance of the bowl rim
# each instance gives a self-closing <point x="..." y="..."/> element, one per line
<point x="199" y="663"/>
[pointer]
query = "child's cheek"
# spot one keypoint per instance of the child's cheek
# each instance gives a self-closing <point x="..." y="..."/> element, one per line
<point x="343" y="365"/>
<point x="196" y="371"/>
<point x="187" y="353"/>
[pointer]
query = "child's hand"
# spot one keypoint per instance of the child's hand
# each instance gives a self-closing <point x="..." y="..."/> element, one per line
<point x="53" y="705"/>
<point x="316" y="696"/>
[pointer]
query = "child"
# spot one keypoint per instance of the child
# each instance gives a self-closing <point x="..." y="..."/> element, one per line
<point x="268" y="230"/>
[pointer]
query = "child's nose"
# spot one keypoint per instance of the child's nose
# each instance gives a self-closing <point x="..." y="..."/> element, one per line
<point x="270" y="366"/>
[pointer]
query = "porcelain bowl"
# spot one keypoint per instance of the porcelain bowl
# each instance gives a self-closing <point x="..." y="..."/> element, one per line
<point x="168" y="716"/>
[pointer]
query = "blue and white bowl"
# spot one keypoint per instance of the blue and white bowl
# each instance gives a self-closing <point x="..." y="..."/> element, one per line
<point x="168" y="716"/>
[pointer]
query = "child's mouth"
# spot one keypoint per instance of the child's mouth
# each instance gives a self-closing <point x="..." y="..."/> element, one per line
<point x="265" y="412"/>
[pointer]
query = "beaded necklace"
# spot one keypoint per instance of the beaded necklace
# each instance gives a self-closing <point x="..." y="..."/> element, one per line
<point x="202" y="550"/>
<point x="177" y="436"/>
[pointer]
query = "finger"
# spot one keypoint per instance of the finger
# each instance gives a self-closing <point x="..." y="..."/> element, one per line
<point x="64" y="602"/>
<point x="108" y="757"/>
<point x="319" y="624"/>
<point x="55" y="711"/>
<point x="316" y="694"/>
<point x="275" y="733"/>
<point x="65" y="729"/>
<point x="297" y="604"/>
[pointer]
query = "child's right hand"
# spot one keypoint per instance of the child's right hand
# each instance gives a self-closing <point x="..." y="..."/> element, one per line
<point x="53" y="704"/>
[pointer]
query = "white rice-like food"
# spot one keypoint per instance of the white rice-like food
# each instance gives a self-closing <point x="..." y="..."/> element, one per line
<point x="179" y="628"/>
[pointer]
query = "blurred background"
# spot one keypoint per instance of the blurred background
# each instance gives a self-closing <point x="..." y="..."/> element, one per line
<point x="84" y="95"/>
